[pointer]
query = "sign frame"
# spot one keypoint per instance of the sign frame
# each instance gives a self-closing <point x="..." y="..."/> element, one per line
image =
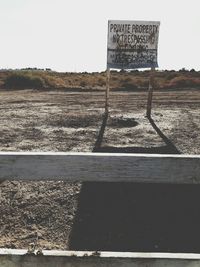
<point x="132" y="45"/>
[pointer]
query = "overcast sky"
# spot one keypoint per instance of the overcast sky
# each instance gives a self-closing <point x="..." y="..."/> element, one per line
<point x="67" y="35"/>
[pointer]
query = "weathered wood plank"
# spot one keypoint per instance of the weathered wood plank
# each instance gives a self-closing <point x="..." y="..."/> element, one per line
<point x="100" y="167"/>
<point x="11" y="258"/>
<point x="104" y="254"/>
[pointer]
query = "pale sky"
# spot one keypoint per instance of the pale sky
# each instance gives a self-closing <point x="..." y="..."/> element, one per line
<point x="67" y="35"/>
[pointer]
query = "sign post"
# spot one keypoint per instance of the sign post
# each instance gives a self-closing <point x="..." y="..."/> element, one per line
<point x="150" y="93"/>
<point x="132" y="45"/>
<point x="107" y="90"/>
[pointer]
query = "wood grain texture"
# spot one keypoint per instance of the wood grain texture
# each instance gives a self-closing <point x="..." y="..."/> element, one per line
<point x="11" y="258"/>
<point x="100" y="167"/>
<point x="103" y="254"/>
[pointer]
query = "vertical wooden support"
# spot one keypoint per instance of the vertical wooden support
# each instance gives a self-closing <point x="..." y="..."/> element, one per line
<point x="150" y="93"/>
<point x="107" y="91"/>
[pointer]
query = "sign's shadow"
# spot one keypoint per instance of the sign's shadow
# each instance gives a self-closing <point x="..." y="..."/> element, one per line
<point x="168" y="148"/>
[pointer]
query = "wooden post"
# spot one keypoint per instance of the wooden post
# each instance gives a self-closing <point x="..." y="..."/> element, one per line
<point x="150" y="93"/>
<point x="107" y="91"/>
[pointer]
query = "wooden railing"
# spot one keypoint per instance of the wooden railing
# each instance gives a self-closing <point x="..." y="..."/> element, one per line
<point x="148" y="168"/>
<point x="142" y="168"/>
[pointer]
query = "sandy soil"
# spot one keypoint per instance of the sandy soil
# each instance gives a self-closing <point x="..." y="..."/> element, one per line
<point x="100" y="216"/>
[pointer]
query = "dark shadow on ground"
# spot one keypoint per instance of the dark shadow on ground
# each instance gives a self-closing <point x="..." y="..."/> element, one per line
<point x="101" y="133"/>
<point x="137" y="217"/>
<point x="171" y="147"/>
<point x="147" y="150"/>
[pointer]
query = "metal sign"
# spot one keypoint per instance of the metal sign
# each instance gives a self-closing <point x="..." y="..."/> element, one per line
<point x="132" y="44"/>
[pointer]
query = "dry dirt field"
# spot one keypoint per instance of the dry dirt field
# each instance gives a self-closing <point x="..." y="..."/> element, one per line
<point x="100" y="216"/>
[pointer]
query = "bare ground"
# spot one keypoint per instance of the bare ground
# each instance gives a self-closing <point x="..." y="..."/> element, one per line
<point x="100" y="216"/>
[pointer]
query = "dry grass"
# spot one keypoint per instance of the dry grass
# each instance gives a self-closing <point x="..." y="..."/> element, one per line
<point x="122" y="80"/>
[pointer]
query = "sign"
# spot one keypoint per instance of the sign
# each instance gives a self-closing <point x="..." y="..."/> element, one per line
<point x="132" y="44"/>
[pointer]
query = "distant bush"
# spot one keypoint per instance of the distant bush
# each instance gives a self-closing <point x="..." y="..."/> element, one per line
<point x="128" y="84"/>
<point x="124" y="80"/>
<point x="83" y="83"/>
<point x="142" y="82"/>
<point x="170" y="75"/>
<point x="184" y="82"/>
<point x="24" y="80"/>
<point x="101" y="81"/>
<point x="192" y="70"/>
<point x="52" y="81"/>
<point x="183" y="70"/>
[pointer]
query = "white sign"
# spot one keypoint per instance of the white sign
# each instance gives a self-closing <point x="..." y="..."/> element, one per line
<point x="132" y="44"/>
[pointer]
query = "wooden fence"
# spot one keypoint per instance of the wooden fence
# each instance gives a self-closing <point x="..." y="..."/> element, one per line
<point x="147" y="168"/>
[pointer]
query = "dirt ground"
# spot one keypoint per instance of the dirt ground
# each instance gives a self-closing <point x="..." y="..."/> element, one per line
<point x="100" y="216"/>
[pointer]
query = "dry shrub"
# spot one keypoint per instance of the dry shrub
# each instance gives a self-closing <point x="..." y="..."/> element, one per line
<point x="24" y="80"/>
<point x="83" y="83"/>
<point x="142" y="82"/>
<point x="170" y="75"/>
<point x="32" y="80"/>
<point x="184" y="82"/>
<point x="128" y="84"/>
<point x="101" y="81"/>
<point x="118" y="80"/>
<point x="53" y="81"/>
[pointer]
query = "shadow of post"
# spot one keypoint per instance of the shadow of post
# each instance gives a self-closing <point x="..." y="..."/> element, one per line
<point x="101" y="133"/>
<point x="168" y="148"/>
<point x="169" y="144"/>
